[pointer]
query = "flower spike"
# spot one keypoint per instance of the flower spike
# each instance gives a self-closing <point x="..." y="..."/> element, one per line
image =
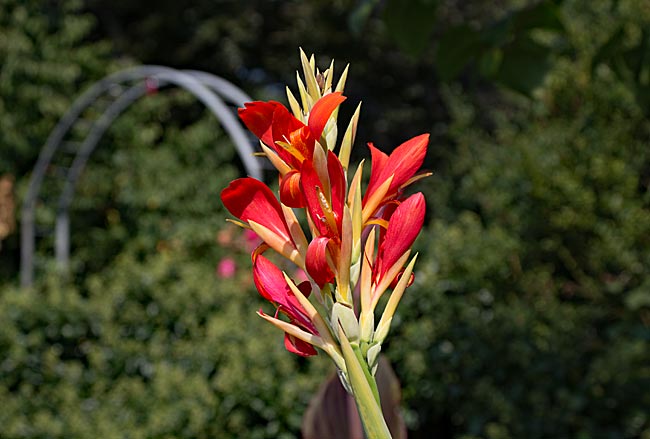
<point x="357" y="242"/>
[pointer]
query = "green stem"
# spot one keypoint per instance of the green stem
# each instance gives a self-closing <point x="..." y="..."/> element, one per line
<point x="368" y="405"/>
<point x="371" y="379"/>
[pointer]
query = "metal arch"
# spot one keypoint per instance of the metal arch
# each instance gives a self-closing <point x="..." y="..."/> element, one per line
<point x="62" y="244"/>
<point x="204" y="86"/>
<point x="225" y="89"/>
<point x="62" y="230"/>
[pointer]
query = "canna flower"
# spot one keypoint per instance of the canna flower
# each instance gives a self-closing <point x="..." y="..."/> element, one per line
<point x="292" y="142"/>
<point x="273" y="286"/>
<point x="391" y="174"/>
<point x="253" y="202"/>
<point x="306" y="328"/>
<point x="358" y="242"/>
<point x="404" y="226"/>
<point x="385" y="269"/>
<point x="325" y="199"/>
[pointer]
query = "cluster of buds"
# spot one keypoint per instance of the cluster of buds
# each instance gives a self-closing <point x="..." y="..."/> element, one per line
<point x="360" y="241"/>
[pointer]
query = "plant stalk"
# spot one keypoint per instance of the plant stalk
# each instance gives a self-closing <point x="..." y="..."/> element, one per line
<point x="370" y="412"/>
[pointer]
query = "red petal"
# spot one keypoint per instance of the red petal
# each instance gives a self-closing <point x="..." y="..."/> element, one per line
<point x="311" y="184"/>
<point x="337" y="185"/>
<point x="378" y="160"/>
<point x="250" y="199"/>
<point x="290" y="191"/>
<point x="321" y="112"/>
<point x="271" y="122"/>
<point x="272" y="285"/>
<point x="316" y="261"/>
<point x="269" y="280"/>
<point x="402" y="164"/>
<point x="287" y="128"/>
<point x="298" y="346"/>
<point x="404" y="226"/>
<point x="258" y="117"/>
<point x="405" y="160"/>
<point x="284" y="123"/>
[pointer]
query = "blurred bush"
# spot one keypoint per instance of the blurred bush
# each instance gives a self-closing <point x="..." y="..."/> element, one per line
<point x="147" y="336"/>
<point x="530" y="313"/>
<point x="46" y="57"/>
<point x="152" y="348"/>
<point x="152" y="339"/>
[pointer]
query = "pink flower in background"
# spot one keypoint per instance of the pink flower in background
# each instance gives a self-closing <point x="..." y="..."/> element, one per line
<point x="251" y="240"/>
<point x="226" y="268"/>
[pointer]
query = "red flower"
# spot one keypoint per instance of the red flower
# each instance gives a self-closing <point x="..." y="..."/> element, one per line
<point x="253" y="202"/>
<point x="400" y="167"/>
<point x="404" y="226"/>
<point x="272" y="285"/>
<point x="271" y="122"/>
<point x="317" y="263"/>
<point x="359" y="244"/>
<point x="324" y="198"/>
<point x="292" y="140"/>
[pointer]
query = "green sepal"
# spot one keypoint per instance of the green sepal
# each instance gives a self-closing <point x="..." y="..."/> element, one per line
<point x="344" y="316"/>
<point x="373" y="358"/>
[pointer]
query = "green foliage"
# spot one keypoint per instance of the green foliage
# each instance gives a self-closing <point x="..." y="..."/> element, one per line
<point x="507" y="51"/>
<point x="530" y="311"/>
<point x="411" y="24"/>
<point x="530" y="318"/>
<point x="152" y="348"/>
<point x="146" y="339"/>
<point x="46" y="59"/>
<point x="254" y="44"/>
<point x="153" y="182"/>
<point x="626" y="52"/>
<point x="152" y="341"/>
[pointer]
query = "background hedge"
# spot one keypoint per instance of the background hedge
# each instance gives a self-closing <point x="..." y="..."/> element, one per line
<point x="530" y="312"/>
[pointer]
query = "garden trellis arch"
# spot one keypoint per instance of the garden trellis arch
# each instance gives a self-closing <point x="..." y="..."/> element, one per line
<point x="63" y="159"/>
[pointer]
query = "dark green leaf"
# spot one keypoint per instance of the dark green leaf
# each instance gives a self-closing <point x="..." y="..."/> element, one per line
<point x="359" y="16"/>
<point x="524" y="66"/>
<point x="411" y="23"/>
<point x="545" y="15"/>
<point x="456" y="49"/>
<point x="610" y="49"/>
<point x="490" y="62"/>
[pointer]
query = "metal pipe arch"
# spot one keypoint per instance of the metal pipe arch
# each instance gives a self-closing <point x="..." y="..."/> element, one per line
<point x="204" y="86"/>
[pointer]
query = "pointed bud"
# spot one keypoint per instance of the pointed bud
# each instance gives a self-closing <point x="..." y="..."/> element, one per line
<point x="310" y="78"/>
<point x="344" y="315"/>
<point x="348" y="138"/>
<point x="295" y="107"/>
<point x="387" y="317"/>
<point x="373" y="357"/>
